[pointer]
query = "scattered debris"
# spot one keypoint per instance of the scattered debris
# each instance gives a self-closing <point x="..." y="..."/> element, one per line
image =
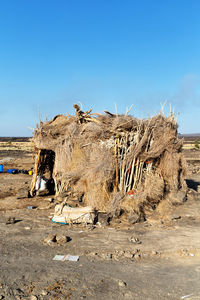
<point x="51" y="238"/>
<point x="175" y="217"/>
<point x="133" y="218"/>
<point x="51" y="200"/>
<point x="67" y="257"/>
<point x="41" y="183"/>
<point x="31" y="207"/>
<point x="11" y="220"/>
<point x="186" y="296"/>
<point x="59" y="257"/>
<point x="104" y="218"/>
<point x="62" y="239"/>
<point x="17" y="171"/>
<point x="27" y="228"/>
<point x="59" y="239"/>
<point x="33" y="297"/>
<point x="91" y="227"/>
<point x="122" y="283"/>
<point x="66" y="214"/>
<point x="135" y="240"/>
<point x="44" y="293"/>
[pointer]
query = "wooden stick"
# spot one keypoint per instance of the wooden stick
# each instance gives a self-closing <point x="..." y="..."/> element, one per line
<point x="58" y="187"/>
<point x="128" y="110"/>
<point x="127" y="175"/>
<point x="92" y="120"/>
<point x="121" y="161"/>
<point x="55" y="181"/>
<point x="35" y="173"/>
<point x="118" y="157"/>
<point x="136" y="174"/>
<point x="96" y="114"/>
<point x="124" y="163"/>
<point x="116" y="164"/>
<point x="140" y="172"/>
<point x="131" y="176"/>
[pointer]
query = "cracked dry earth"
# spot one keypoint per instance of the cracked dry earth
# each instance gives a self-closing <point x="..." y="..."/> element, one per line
<point x="158" y="259"/>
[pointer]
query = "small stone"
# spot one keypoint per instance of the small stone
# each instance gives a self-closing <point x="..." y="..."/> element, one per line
<point x="44" y="293"/>
<point x="105" y="256"/>
<point x="175" y="217"/>
<point x="33" y="297"/>
<point x="133" y="218"/>
<point x="27" y="228"/>
<point x="154" y="252"/>
<point x="104" y="219"/>
<point x="51" y="238"/>
<point x="128" y="255"/>
<point x="135" y="252"/>
<point x="121" y="253"/>
<point x="51" y="200"/>
<point x="93" y="254"/>
<point x="147" y="224"/>
<point x="109" y="256"/>
<point x="11" y="220"/>
<point x="62" y="239"/>
<point x="137" y="256"/>
<point x="135" y="240"/>
<point x="122" y="283"/>
<point x="191" y="254"/>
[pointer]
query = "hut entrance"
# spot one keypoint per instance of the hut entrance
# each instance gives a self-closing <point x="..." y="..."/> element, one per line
<point x="44" y="169"/>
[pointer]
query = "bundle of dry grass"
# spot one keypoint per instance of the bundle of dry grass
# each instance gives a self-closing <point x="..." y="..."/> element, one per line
<point x="110" y="161"/>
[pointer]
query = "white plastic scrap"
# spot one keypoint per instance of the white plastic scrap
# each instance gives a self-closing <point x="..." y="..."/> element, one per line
<point x="66" y="257"/>
<point x="186" y="296"/>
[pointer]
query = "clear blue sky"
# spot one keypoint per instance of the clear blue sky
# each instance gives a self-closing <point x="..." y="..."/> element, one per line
<point x="54" y="53"/>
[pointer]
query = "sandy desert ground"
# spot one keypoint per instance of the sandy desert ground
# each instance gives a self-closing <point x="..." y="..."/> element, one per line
<point x="157" y="259"/>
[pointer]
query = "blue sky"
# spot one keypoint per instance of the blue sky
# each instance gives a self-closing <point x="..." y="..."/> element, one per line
<point x="54" y="53"/>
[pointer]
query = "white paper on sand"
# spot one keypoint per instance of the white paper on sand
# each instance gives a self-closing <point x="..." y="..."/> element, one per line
<point x="66" y="257"/>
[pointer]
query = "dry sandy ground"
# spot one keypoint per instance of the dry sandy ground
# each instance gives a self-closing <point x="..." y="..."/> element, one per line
<point x="158" y="259"/>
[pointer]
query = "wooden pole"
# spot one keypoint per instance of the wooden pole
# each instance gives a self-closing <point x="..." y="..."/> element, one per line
<point x="131" y="176"/>
<point x="124" y="163"/>
<point x="116" y="163"/>
<point x="136" y="174"/>
<point x="37" y="161"/>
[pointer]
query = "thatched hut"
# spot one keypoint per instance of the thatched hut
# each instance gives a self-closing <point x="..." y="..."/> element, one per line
<point x="111" y="162"/>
